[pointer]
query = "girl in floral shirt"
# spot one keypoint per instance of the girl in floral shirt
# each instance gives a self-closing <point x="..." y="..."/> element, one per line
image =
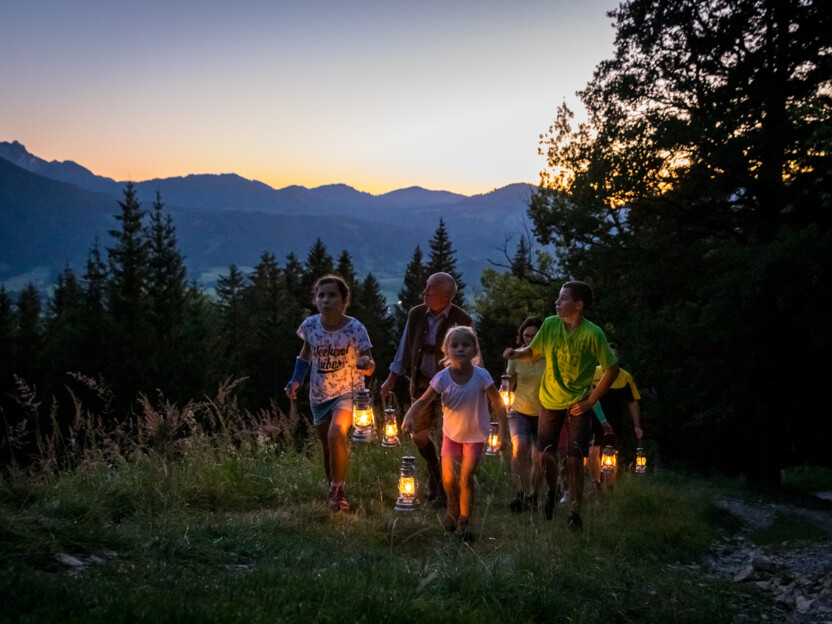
<point x="337" y="349"/>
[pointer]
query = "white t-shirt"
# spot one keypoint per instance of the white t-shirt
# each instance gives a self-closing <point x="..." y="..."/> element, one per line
<point x="464" y="407"/>
<point x="334" y="354"/>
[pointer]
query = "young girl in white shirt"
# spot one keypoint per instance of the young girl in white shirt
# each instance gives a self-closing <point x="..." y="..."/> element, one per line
<point x="465" y="390"/>
<point x="337" y="348"/>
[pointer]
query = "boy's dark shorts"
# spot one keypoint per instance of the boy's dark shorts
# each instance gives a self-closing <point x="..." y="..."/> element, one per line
<point x="578" y="427"/>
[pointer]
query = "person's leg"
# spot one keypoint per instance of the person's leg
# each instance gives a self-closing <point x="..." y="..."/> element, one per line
<point x="338" y="454"/>
<point x="323" y="433"/>
<point x="519" y="459"/>
<point x="471" y="456"/>
<point x="549" y="426"/>
<point x="451" y="458"/>
<point x="580" y="430"/>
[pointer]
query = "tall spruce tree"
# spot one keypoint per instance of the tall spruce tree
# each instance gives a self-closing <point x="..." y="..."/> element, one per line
<point x="318" y="264"/>
<point x="377" y="319"/>
<point x="94" y="286"/>
<point x="345" y="269"/>
<point x="442" y="259"/>
<point x="127" y="301"/>
<point x="66" y="326"/>
<point x="415" y="276"/>
<point x="235" y="324"/>
<point x="166" y="291"/>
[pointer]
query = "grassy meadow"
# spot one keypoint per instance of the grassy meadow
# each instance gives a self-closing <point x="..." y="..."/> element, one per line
<point x="204" y="514"/>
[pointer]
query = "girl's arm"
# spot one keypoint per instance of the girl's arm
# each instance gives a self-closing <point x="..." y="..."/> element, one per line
<point x="417" y="406"/>
<point x="500" y="409"/>
<point x="365" y="362"/>
<point x="302" y="364"/>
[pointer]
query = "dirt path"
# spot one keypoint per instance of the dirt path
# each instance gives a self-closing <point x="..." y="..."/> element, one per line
<point x="797" y="575"/>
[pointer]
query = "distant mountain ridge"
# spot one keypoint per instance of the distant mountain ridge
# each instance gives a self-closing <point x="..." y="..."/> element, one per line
<point x="52" y="212"/>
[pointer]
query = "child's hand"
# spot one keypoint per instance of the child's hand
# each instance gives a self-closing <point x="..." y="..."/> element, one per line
<point x="607" y="428"/>
<point x="508" y="353"/>
<point x="291" y="389"/>
<point x="363" y="363"/>
<point x="579" y="408"/>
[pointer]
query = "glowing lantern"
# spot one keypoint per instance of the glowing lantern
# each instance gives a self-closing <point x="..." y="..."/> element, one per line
<point x="505" y="390"/>
<point x="493" y="446"/>
<point x="391" y="429"/>
<point x="362" y="417"/>
<point x="641" y="461"/>
<point x="407" y="500"/>
<point x="608" y="460"/>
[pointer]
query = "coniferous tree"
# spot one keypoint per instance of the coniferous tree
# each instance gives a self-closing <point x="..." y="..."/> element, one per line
<point x="442" y="259"/>
<point x="28" y="343"/>
<point x="66" y="325"/>
<point x="377" y="319"/>
<point x="318" y="264"/>
<point x="235" y="325"/>
<point x="200" y="372"/>
<point x="166" y="292"/>
<point x="94" y="285"/>
<point x="521" y="263"/>
<point x="8" y="323"/>
<point x="267" y="351"/>
<point x="346" y="270"/>
<point x="410" y="295"/>
<point x="293" y="277"/>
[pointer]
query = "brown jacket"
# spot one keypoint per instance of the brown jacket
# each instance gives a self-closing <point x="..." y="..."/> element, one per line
<point x="417" y="330"/>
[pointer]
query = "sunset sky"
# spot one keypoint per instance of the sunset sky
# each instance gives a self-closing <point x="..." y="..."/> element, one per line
<point x="380" y="95"/>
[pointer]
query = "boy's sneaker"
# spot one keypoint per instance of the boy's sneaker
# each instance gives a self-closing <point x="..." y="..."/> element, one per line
<point x="450" y="523"/>
<point x="565" y="497"/>
<point x="338" y="499"/>
<point x="574" y="523"/>
<point x="518" y="503"/>
<point x="549" y="505"/>
<point x="531" y="502"/>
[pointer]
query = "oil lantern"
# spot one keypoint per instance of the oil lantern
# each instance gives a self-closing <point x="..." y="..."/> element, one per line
<point x="407" y="500"/>
<point x="391" y="429"/>
<point x="505" y="390"/>
<point x="493" y="446"/>
<point x="362" y="417"/>
<point x="641" y="461"/>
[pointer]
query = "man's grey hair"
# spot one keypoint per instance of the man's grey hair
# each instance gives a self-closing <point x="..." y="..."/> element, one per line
<point x="448" y="280"/>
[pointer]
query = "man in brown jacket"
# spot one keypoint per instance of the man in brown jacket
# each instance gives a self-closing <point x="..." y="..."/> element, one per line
<point x="419" y="356"/>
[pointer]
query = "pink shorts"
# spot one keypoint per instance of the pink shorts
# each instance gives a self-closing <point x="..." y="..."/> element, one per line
<point x="461" y="449"/>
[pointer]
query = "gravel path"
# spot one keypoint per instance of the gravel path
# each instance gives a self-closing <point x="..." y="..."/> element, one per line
<point x="796" y="575"/>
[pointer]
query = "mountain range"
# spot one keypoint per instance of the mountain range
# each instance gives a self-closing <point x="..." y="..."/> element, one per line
<point x="52" y="213"/>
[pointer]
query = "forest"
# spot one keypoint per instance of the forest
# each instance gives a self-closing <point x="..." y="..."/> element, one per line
<point x="695" y="200"/>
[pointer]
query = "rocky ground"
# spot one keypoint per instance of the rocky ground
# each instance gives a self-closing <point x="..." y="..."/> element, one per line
<point x="795" y="575"/>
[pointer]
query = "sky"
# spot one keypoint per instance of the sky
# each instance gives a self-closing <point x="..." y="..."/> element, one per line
<point x="380" y="95"/>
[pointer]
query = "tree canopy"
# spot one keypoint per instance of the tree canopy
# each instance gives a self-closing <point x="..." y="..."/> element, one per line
<point x="695" y="200"/>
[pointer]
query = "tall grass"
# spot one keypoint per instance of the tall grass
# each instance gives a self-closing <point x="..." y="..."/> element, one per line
<point x="206" y="513"/>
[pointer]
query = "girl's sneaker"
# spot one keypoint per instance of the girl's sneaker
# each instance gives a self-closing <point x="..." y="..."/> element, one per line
<point x="338" y="499"/>
<point x="464" y="530"/>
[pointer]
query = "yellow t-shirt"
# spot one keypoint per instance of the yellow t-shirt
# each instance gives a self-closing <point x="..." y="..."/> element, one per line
<point x="527" y="391"/>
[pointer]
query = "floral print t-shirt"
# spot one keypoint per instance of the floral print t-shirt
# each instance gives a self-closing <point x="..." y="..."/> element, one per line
<point x="334" y="354"/>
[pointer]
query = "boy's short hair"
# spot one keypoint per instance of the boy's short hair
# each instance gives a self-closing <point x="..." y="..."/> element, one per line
<point x="458" y="330"/>
<point x="580" y="291"/>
